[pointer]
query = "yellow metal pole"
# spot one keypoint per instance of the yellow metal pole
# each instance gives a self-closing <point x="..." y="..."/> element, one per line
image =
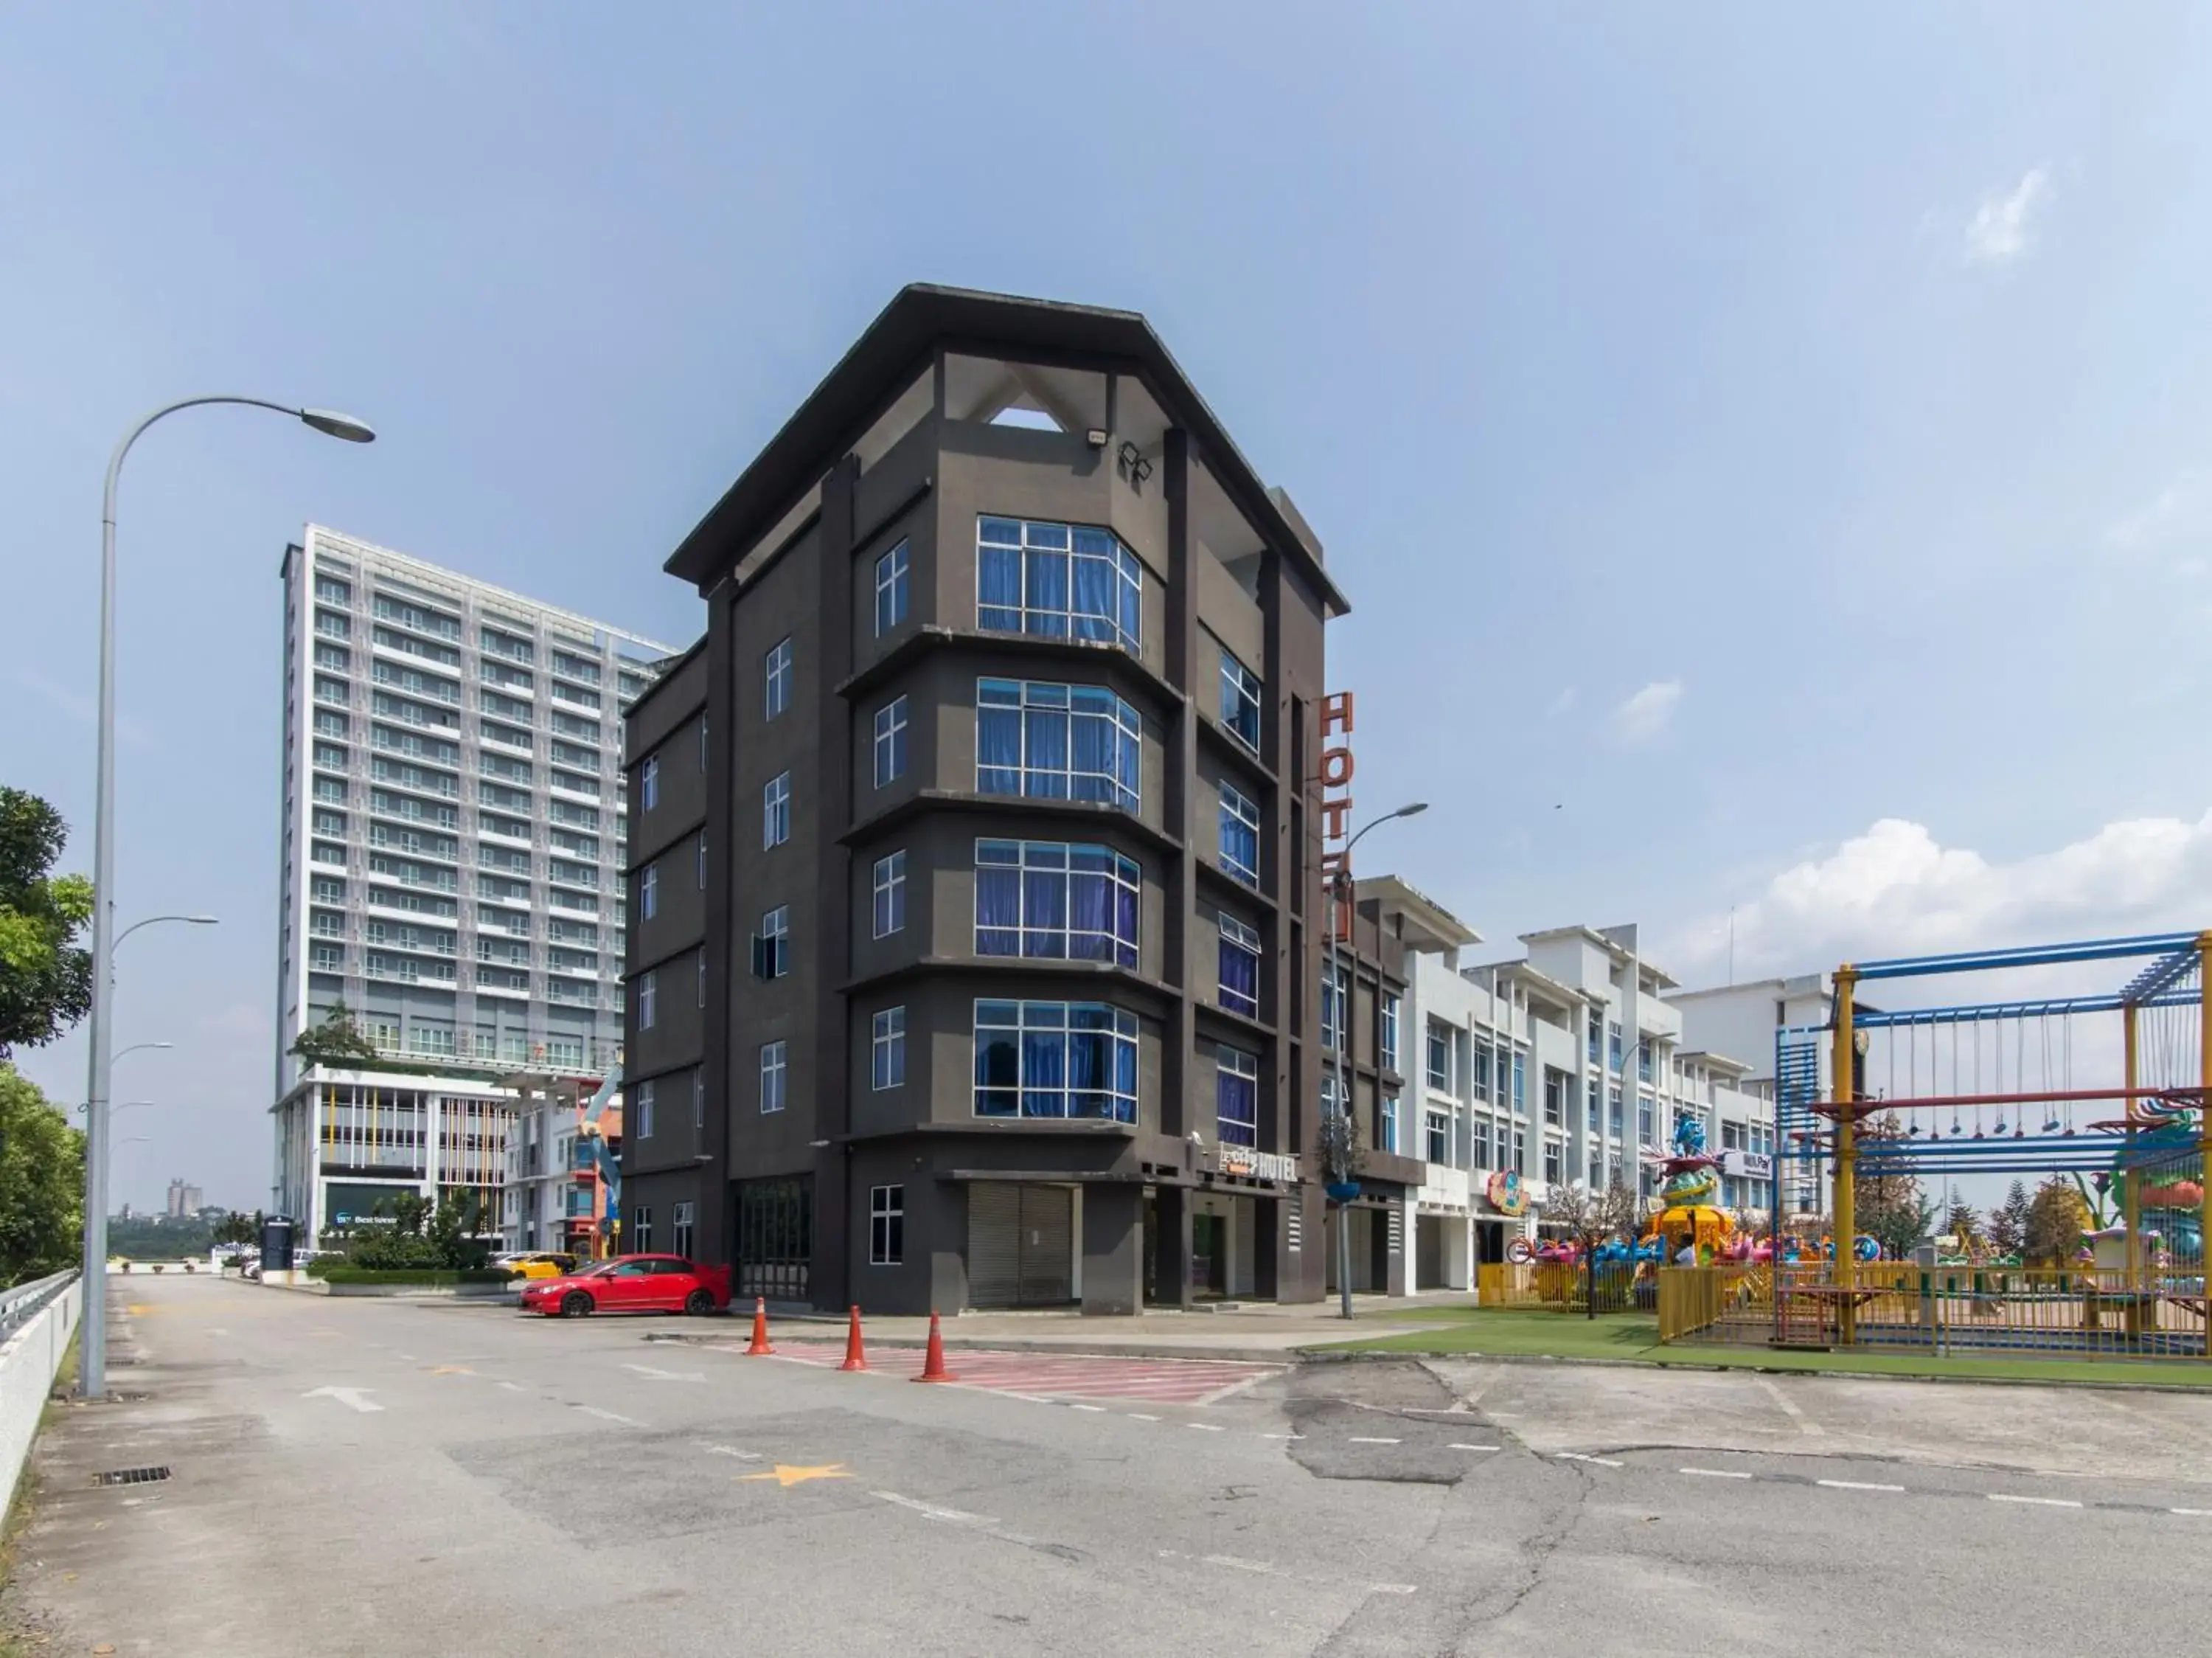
<point x="2204" y="1126"/>
<point x="1845" y="1218"/>
<point x="2132" y="1184"/>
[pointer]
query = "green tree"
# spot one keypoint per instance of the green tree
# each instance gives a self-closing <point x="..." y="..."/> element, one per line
<point x="1592" y="1218"/>
<point x="45" y="980"/>
<point x="2009" y="1223"/>
<point x="239" y="1230"/>
<point x="2057" y="1215"/>
<point x="338" y="1040"/>
<point x="1964" y="1222"/>
<point x="41" y="1183"/>
<point x="1898" y="1222"/>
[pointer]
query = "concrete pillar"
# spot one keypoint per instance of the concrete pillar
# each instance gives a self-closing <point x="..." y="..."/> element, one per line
<point x="1171" y="1265"/>
<point x="1267" y="1248"/>
<point x="1113" y="1249"/>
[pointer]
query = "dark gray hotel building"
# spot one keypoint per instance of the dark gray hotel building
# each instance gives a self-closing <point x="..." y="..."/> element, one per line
<point x="975" y="951"/>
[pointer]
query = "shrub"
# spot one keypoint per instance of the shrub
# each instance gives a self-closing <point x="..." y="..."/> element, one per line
<point x="347" y="1272"/>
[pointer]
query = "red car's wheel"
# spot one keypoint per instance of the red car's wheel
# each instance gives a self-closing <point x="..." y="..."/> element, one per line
<point x="698" y="1303"/>
<point x="575" y="1304"/>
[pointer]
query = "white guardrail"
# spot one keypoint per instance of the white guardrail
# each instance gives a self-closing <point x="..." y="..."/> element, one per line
<point x="36" y="1322"/>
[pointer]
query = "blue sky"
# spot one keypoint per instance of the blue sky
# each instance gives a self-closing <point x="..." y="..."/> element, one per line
<point x="1772" y="464"/>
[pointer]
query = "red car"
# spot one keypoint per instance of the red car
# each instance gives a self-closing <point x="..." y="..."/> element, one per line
<point x="631" y="1283"/>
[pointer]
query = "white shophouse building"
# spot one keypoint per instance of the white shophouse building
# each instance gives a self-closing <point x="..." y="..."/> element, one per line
<point x="1745" y="1020"/>
<point x="1525" y="1077"/>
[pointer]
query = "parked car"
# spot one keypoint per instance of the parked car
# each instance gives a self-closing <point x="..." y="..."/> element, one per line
<point x="537" y="1264"/>
<point x="631" y="1283"/>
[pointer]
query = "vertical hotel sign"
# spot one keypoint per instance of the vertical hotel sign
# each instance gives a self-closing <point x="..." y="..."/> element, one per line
<point x="1336" y="722"/>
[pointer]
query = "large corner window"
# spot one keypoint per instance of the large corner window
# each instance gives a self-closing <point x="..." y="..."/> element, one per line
<point x="1237" y="1097"/>
<point x="1055" y="1059"/>
<point x="1056" y="742"/>
<point x="1240" y="836"/>
<point x="1240" y="966"/>
<point x="1056" y="581"/>
<point x="1050" y="900"/>
<point x="1240" y="701"/>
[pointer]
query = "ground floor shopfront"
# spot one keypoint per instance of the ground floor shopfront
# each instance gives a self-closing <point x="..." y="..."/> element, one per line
<point x="1464" y="1220"/>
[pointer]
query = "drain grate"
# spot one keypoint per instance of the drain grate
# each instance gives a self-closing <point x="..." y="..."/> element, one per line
<point x="130" y="1476"/>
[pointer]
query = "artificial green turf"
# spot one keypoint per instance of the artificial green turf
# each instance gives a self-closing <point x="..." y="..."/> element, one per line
<point x="1532" y="1332"/>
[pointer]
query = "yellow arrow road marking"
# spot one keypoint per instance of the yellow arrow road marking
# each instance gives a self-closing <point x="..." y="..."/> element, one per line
<point x="785" y="1475"/>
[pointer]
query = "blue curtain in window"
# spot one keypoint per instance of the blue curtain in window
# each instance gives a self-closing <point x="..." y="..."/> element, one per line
<point x="1125" y="925"/>
<point x="998" y="911"/>
<point x="1047" y="752"/>
<point x="1087" y="1074"/>
<point x="1046" y="574"/>
<point x="1092" y="747"/>
<point x="1044" y="912"/>
<point x="1236" y="1109"/>
<point x="1090" y="917"/>
<point x="998" y="751"/>
<point x="998" y="1073"/>
<point x="1095" y="607"/>
<point x="1125" y="1069"/>
<point x="1240" y="978"/>
<point x="998" y="589"/>
<point x="1044" y="1073"/>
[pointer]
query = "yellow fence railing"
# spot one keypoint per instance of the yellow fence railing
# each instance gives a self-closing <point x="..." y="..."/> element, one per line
<point x="1539" y="1284"/>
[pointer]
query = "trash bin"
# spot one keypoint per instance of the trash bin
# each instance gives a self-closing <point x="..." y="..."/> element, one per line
<point x="277" y="1244"/>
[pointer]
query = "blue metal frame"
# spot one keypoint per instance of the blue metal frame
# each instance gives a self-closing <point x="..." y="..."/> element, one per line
<point x="2092" y="949"/>
<point x="1979" y="1012"/>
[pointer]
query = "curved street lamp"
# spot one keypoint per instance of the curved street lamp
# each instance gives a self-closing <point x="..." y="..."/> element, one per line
<point x="91" y="1368"/>
<point x="191" y="921"/>
<point x="1340" y="1146"/>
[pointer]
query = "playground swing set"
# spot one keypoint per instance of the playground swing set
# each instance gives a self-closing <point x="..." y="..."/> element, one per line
<point x="1990" y="1088"/>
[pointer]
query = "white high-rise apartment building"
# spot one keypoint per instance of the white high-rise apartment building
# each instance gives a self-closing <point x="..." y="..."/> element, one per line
<point x="454" y="834"/>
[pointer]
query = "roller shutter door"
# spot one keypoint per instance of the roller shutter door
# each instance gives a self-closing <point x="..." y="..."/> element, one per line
<point x="1021" y="1244"/>
<point x="994" y="1232"/>
<point x="1048" y="1246"/>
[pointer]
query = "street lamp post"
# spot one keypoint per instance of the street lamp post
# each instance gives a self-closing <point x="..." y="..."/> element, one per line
<point x="1340" y="1143"/>
<point x="91" y="1368"/>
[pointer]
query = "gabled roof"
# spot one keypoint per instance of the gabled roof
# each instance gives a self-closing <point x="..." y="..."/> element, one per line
<point x="837" y="412"/>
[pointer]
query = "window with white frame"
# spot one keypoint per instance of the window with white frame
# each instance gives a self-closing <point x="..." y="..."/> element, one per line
<point x="1054" y="901"/>
<point x="775" y="676"/>
<point x="775" y="811"/>
<point x="1239" y="965"/>
<point x="641" y="1229"/>
<point x="1237" y="1097"/>
<point x="643" y="1106"/>
<point x="774" y="1066"/>
<point x="1333" y="985"/>
<point x="890" y="741"/>
<point x="1057" y="742"/>
<point x="680" y="1229"/>
<point x="1240" y="701"/>
<point x="887" y="1049"/>
<point x="1440" y="1057"/>
<point x="649" y="891"/>
<point x="772" y="944"/>
<point x="1240" y="835"/>
<point x="1055" y="1059"/>
<point x="890" y="894"/>
<point x="1438" y="1136"/>
<point x="1058" y="581"/>
<point x="648" y="999"/>
<point x="648" y="784"/>
<point x="887" y="1222"/>
<point x="1386" y="1125"/>
<point x="890" y="589"/>
<point x="1391" y="1004"/>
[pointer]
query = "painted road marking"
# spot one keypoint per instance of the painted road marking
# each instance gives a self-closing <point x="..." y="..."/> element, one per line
<point x="1099" y="1410"/>
<point x="354" y="1398"/>
<point x="1204" y="1427"/>
<point x="1576" y="1456"/>
<point x="787" y="1476"/>
<point x="607" y="1416"/>
<point x="1715" y="1473"/>
<point x="2199" y="1514"/>
<point x="1856" y="1485"/>
<point x="1790" y="1407"/>
<point x="514" y="1386"/>
<point x="653" y="1374"/>
<point x="1235" y="1563"/>
<point x="1138" y="1416"/>
<point x="450" y="1370"/>
<point x="731" y="1450"/>
<point x="1282" y="1436"/>
<point x="2039" y="1502"/>
<point x="1362" y="1439"/>
<point x="1471" y="1448"/>
<point x="931" y="1510"/>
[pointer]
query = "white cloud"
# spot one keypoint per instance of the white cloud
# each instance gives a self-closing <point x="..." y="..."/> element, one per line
<point x="1644" y="717"/>
<point x="2181" y="511"/>
<point x="1998" y="233"/>
<point x="1896" y="891"/>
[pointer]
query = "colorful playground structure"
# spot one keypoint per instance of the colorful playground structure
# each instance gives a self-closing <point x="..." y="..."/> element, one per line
<point x="1989" y="1089"/>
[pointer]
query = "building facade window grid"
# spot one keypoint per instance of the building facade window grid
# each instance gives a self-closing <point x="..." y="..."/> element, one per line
<point x="889" y="893"/>
<point x="1239" y="702"/>
<point x="775" y="676"/>
<point x="1239" y="966"/>
<point x="775" y="1070"/>
<point x="775" y="811"/>
<point x="890" y="589"/>
<point x="1237" y="1097"/>
<point x="890" y="741"/>
<point x="887" y="1223"/>
<point x="1240" y="836"/>
<point x="1069" y="1059"/>
<point x="1056" y="901"/>
<point x="887" y="1049"/>
<point x="1057" y="742"/>
<point x="1057" y="580"/>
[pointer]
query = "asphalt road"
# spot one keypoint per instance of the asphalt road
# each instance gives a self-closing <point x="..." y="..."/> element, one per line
<point x="356" y="1476"/>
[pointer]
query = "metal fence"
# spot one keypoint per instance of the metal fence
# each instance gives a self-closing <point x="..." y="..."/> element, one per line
<point x="25" y="1300"/>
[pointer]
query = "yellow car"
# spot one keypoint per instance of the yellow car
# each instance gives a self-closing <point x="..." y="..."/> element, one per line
<point x="531" y="1264"/>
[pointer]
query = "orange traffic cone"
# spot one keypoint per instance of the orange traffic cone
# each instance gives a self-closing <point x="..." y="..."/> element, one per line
<point x="854" y="1358"/>
<point x="932" y="1363"/>
<point x="760" y="1329"/>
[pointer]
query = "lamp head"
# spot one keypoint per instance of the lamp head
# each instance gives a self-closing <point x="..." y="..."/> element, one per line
<point x="339" y="425"/>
